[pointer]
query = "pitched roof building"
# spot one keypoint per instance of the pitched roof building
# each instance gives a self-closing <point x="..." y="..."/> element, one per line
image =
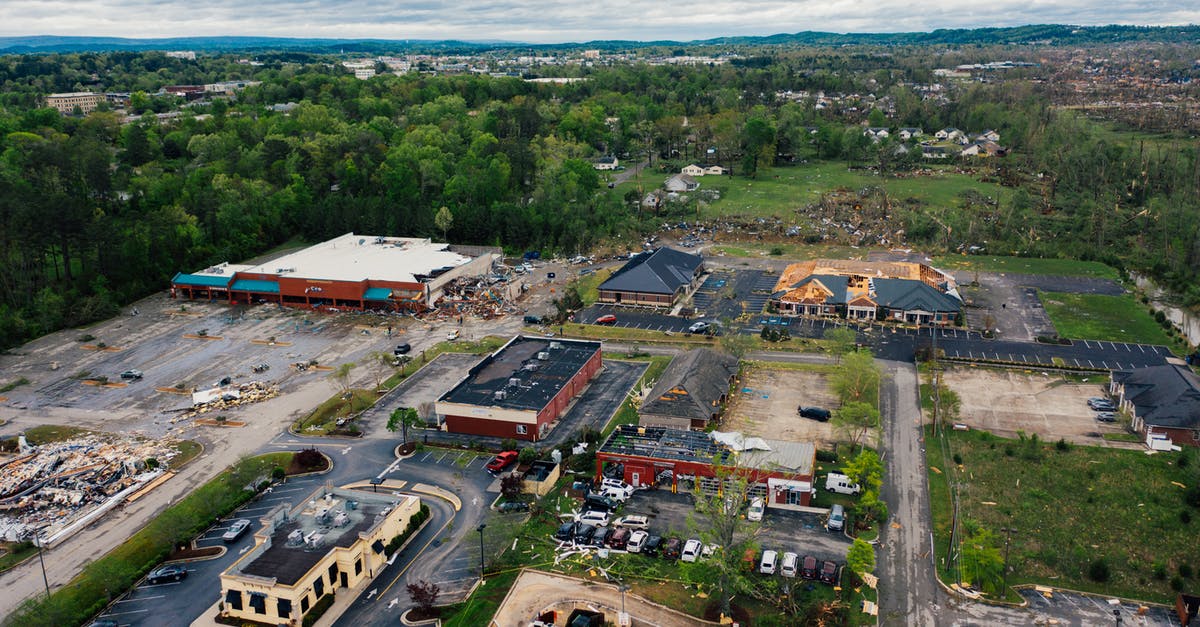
<point x="865" y="290"/>
<point x="654" y="278"/>
<point x="1163" y="400"/>
<point x="691" y="391"/>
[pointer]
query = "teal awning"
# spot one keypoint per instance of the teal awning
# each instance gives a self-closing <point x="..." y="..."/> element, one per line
<point x="377" y="293"/>
<point x="253" y="285"/>
<point x="201" y="280"/>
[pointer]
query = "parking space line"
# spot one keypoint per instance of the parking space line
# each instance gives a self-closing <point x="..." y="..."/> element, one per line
<point x="161" y="596"/>
<point x="1105" y="364"/>
<point x="124" y="613"/>
<point x="1142" y="346"/>
<point x="1085" y="343"/>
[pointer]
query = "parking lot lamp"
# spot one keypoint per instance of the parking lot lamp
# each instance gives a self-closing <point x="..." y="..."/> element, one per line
<point x="38" y="541"/>
<point x="480" y="530"/>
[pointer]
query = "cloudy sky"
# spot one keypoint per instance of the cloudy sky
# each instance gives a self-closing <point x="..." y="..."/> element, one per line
<point x="551" y="21"/>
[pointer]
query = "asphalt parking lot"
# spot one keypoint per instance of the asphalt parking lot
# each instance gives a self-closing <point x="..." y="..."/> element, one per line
<point x="748" y="291"/>
<point x="425" y="385"/>
<point x="1086" y="610"/>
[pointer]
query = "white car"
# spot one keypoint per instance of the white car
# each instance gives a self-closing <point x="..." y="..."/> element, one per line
<point x="788" y="567"/>
<point x="636" y="540"/>
<point x="598" y="519"/>
<point x="691" y="550"/>
<point x="452" y="335"/>
<point x="755" y="513"/>
<point x="615" y="494"/>
<point x="633" y="521"/>
<point x="617" y="484"/>
<point x="236" y="530"/>
<point x="767" y="566"/>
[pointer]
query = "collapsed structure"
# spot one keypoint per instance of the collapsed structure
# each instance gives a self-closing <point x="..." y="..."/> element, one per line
<point x="691" y="392"/>
<point x="899" y="291"/>
<point x="356" y="272"/>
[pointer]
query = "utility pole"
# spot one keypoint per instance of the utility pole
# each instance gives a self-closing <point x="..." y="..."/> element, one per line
<point x="1007" y="535"/>
<point x="38" y="541"/>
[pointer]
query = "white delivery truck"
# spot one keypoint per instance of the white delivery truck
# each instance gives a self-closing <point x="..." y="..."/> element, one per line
<point x="837" y="482"/>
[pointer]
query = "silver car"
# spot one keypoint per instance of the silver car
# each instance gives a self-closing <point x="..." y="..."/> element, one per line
<point x="236" y="530"/>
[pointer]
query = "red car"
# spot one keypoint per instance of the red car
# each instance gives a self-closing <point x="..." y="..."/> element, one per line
<point x="501" y="461"/>
<point x="606" y="319"/>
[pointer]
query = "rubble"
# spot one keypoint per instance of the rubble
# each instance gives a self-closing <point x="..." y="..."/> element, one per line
<point x="56" y="484"/>
<point x="229" y="396"/>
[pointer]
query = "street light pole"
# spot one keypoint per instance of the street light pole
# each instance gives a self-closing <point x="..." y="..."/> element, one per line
<point x="1007" y="535"/>
<point x="38" y="541"/>
<point x="480" y="529"/>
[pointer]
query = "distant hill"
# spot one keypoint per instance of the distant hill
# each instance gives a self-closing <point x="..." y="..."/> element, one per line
<point x="1054" y="34"/>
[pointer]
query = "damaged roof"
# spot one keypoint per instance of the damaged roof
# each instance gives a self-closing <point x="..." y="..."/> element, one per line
<point x="692" y="386"/>
<point x="1163" y="396"/>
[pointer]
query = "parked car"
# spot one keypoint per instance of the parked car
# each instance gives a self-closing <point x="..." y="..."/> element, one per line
<point x="1101" y="404"/>
<point x="637" y="540"/>
<point x="651" y="545"/>
<point x="837" y="518"/>
<point x="452" y="335"/>
<point x="768" y="563"/>
<point x="819" y="414"/>
<point x="501" y="461"/>
<point x="671" y="548"/>
<point x="808" y="567"/>
<point x="401" y="349"/>
<point x="593" y="517"/>
<point x="829" y="572"/>
<point x="131" y="375"/>
<point x="606" y="319"/>
<point x="619" y="538"/>
<point x="168" y="573"/>
<point x="755" y="513"/>
<point x="601" y="536"/>
<point x="513" y="506"/>
<point x="583" y="533"/>
<point x="709" y="550"/>
<point x="617" y="484"/>
<point x="565" y="531"/>
<point x="599" y="502"/>
<point x="632" y="521"/>
<point x="236" y="530"/>
<point x="1106" y="416"/>
<point x="533" y="320"/>
<point x="837" y="482"/>
<point x="699" y="327"/>
<point x="691" y="550"/>
<point x="787" y="567"/>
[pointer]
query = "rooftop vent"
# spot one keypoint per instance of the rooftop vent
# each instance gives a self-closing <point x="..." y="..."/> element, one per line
<point x="514" y="382"/>
<point x="543" y="356"/>
<point x="531" y="367"/>
<point x="499" y="395"/>
<point x="555" y="346"/>
<point x="295" y="538"/>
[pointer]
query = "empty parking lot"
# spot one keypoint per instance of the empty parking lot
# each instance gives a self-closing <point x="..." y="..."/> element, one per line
<point x="765" y="403"/>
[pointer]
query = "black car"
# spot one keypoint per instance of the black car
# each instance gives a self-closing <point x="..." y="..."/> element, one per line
<point x="599" y="502"/>
<point x="402" y="349"/>
<point x="513" y="506"/>
<point x="829" y="572"/>
<point x="671" y="548"/>
<point x="164" y="574"/>
<point x="131" y="375"/>
<point x="819" y="414"/>
<point x="583" y="534"/>
<point x="601" y="535"/>
<point x="565" y="531"/>
<point x="652" y="545"/>
<point x="808" y="567"/>
<point x="533" y="320"/>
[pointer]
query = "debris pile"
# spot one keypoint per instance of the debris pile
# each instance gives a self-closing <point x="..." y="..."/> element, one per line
<point x="230" y="396"/>
<point x="57" y="483"/>
<point x="485" y="297"/>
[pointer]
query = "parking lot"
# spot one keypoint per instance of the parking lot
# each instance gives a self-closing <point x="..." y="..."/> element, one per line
<point x="727" y="294"/>
<point x="1075" y="609"/>
<point x="766" y="400"/>
<point x="1007" y="401"/>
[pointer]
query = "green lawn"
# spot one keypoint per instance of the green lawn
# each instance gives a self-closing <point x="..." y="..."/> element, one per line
<point x="1026" y="265"/>
<point x="1071" y="508"/>
<point x="1099" y="317"/>
<point x="789" y="250"/>
<point x="589" y="285"/>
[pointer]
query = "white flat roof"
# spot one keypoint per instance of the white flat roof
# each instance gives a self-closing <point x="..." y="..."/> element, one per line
<point x="358" y="257"/>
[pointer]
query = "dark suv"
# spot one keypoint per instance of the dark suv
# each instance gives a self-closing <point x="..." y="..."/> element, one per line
<point x="565" y="531"/>
<point x="402" y="349"/>
<point x="652" y="545"/>
<point x="815" y="413"/>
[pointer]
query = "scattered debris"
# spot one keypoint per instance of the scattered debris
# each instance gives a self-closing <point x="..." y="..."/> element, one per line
<point x="229" y="396"/>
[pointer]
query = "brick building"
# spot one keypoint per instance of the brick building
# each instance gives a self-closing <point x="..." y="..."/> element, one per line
<point x="656" y="279"/>
<point x="1163" y="401"/>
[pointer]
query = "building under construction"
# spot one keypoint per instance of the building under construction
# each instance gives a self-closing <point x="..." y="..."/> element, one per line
<point x="351" y="272"/>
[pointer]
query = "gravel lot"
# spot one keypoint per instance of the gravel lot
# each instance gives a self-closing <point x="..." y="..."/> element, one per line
<point x="765" y="403"/>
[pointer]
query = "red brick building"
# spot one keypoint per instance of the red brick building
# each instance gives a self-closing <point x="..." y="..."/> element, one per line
<point x="518" y="391"/>
<point x="1162" y="400"/>
<point x="779" y="471"/>
<point x="358" y="272"/>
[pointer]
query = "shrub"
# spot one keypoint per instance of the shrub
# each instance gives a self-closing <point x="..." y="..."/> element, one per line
<point x="508" y="444"/>
<point x="1185" y="516"/>
<point x="1098" y="571"/>
<point x="527" y="455"/>
<point x="1185" y="571"/>
<point x="828" y="457"/>
<point x="277" y="473"/>
<point x="1160" y="571"/>
<point x="958" y="459"/>
<point x="776" y="250"/>
<point x="1192" y="496"/>
<point x="309" y="458"/>
<point x="1177" y="584"/>
<point x="1062" y="445"/>
<point x="318" y="610"/>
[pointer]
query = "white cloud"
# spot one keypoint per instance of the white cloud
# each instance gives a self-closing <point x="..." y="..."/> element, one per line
<point x="553" y="21"/>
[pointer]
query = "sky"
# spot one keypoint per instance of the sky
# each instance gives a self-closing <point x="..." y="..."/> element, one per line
<point x="557" y="21"/>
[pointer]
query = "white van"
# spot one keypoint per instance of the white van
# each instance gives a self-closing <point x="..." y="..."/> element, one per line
<point x="767" y="565"/>
<point x="837" y="482"/>
<point x="615" y="494"/>
<point x="755" y="513"/>
<point x="787" y="568"/>
<point x="636" y="540"/>
<point x="599" y="519"/>
<point x="837" y="518"/>
<point x="617" y="485"/>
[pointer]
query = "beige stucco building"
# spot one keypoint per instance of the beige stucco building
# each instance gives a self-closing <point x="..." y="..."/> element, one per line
<point x="334" y="540"/>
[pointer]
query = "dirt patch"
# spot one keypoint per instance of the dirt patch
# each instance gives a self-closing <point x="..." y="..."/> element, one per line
<point x="1007" y="401"/>
<point x="765" y="404"/>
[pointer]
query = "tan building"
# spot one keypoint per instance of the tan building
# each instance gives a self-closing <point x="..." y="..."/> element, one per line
<point x="335" y="539"/>
<point x="86" y="101"/>
<point x="898" y="291"/>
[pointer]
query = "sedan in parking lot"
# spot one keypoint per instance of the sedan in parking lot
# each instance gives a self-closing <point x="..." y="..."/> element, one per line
<point x="501" y="461"/>
<point x="691" y="550"/>
<point x="828" y="572"/>
<point x="808" y="567"/>
<point x="606" y="319"/>
<point x="1106" y="416"/>
<point x="168" y="573"/>
<point x="236" y="530"/>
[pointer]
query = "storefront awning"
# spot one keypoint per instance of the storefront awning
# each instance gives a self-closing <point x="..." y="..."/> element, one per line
<point x="201" y="280"/>
<point x="253" y="285"/>
<point x="377" y="293"/>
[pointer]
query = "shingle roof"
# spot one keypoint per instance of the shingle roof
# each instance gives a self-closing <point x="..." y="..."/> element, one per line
<point x="660" y="272"/>
<point x="1163" y="396"/>
<point x="912" y="295"/>
<point x="692" y="385"/>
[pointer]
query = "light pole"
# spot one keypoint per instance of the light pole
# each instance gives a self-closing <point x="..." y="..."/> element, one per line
<point x="480" y="530"/>
<point x="38" y="541"/>
<point x="1007" y="534"/>
<point x="623" y="588"/>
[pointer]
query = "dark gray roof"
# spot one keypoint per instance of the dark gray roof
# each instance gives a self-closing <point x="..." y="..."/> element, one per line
<point x="659" y="272"/>
<point x="909" y="295"/>
<point x="528" y="382"/>
<point x="1163" y="396"/>
<point x="692" y="385"/>
<point x="836" y="284"/>
<point x="287" y="564"/>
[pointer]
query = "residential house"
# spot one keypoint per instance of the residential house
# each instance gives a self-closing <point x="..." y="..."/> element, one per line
<point x="876" y="133"/>
<point x="951" y="134"/>
<point x="714" y="170"/>
<point x="681" y="183"/>
<point x="606" y="163"/>
<point x="983" y="148"/>
<point x="933" y="152"/>
<point x="691" y="392"/>
<point x="702" y="170"/>
<point x="990" y="135"/>
<point x="1162" y="400"/>
<point x="656" y="278"/>
<point x="908" y="133"/>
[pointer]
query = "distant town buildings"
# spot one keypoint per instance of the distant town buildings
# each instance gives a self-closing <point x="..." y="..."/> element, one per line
<point x="68" y="103"/>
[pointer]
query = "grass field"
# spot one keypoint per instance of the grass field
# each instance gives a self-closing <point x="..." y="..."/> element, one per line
<point x="589" y="285"/>
<point x="1072" y="508"/>
<point x="789" y="250"/>
<point x="1099" y="317"/>
<point x="1026" y="265"/>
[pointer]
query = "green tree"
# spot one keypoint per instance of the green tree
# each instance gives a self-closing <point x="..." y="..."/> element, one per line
<point x="402" y="418"/>
<point x="717" y="519"/>
<point x="981" y="562"/>
<point x="444" y="220"/>
<point x="866" y="469"/>
<point x="856" y="419"/>
<point x="842" y="340"/>
<point x="736" y="344"/>
<point x="860" y="557"/>
<point x="341" y="378"/>
<point x="857" y="378"/>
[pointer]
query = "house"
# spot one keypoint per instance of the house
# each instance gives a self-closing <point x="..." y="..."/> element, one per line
<point x="990" y="135"/>
<point x="951" y="134"/>
<point x="876" y="133"/>
<point x="714" y="170"/>
<point x="691" y="392"/>
<point x="606" y="163"/>
<point x="933" y="152"/>
<point x="1162" y="400"/>
<point x="692" y="170"/>
<point x="67" y="103"/>
<point x="657" y="278"/>
<point x="333" y="542"/>
<point x="908" y="133"/>
<point x="983" y="148"/>
<point x="681" y="183"/>
<point x="779" y="471"/>
<point x="521" y="389"/>
<point x="863" y="290"/>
